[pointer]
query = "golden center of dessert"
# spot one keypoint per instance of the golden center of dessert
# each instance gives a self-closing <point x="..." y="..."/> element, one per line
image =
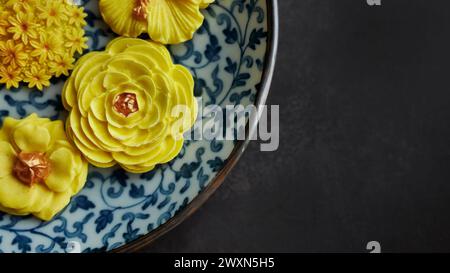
<point x="126" y="104"/>
<point x="140" y="9"/>
<point x="31" y="168"/>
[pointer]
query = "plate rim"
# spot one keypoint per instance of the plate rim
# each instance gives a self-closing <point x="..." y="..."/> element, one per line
<point x="238" y="150"/>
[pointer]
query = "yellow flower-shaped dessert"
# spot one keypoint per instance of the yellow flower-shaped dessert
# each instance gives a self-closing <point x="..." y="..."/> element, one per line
<point x="166" y="21"/>
<point x="123" y="105"/>
<point x="40" y="170"/>
<point x="38" y="40"/>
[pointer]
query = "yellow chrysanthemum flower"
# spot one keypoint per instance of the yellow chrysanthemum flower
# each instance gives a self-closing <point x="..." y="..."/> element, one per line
<point x="46" y="47"/>
<point x="37" y="77"/>
<point x="12" y="54"/>
<point x="10" y="76"/>
<point x="61" y="65"/>
<point x="166" y="21"/>
<point x="22" y="27"/>
<point x="76" y="41"/>
<point x="76" y="16"/>
<point x="52" y="12"/>
<point x="39" y="32"/>
<point x="40" y="169"/>
<point x="121" y="102"/>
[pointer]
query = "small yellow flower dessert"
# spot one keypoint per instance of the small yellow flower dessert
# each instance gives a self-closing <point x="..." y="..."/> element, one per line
<point x="40" y="170"/>
<point x="122" y="104"/>
<point x="38" y="40"/>
<point x="166" y="21"/>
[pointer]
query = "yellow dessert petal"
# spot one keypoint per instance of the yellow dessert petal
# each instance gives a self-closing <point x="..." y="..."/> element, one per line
<point x="73" y="125"/>
<point x="121" y="134"/>
<point x="137" y="169"/>
<point x="69" y="94"/>
<point x="12" y="193"/>
<point x="132" y="68"/>
<point x="113" y="79"/>
<point x="41" y="199"/>
<point x="85" y="65"/>
<point x="174" y="147"/>
<point x="97" y="107"/>
<point x="93" y="90"/>
<point x="8" y="125"/>
<point x="31" y="138"/>
<point x="120" y="44"/>
<point x="96" y="157"/>
<point x="62" y="172"/>
<point x="147" y="84"/>
<point x="58" y="202"/>
<point x="7" y="157"/>
<point x="81" y="178"/>
<point x="56" y="131"/>
<point x="155" y="57"/>
<point x="97" y="132"/>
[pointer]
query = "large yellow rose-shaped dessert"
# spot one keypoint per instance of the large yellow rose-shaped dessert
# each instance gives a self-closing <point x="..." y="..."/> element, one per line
<point x="122" y="103"/>
<point x="166" y="21"/>
<point x="40" y="170"/>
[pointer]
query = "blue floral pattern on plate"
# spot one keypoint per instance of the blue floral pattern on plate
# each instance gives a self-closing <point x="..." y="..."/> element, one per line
<point x="226" y="58"/>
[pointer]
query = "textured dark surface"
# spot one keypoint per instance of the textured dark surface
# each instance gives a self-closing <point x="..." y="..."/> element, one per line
<point x="365" y="138"/>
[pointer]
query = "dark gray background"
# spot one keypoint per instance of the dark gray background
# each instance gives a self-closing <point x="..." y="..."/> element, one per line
<point x="365" y="138"/>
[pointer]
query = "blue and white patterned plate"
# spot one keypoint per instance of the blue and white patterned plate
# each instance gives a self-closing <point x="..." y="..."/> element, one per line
<point x="231" y="58"/>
